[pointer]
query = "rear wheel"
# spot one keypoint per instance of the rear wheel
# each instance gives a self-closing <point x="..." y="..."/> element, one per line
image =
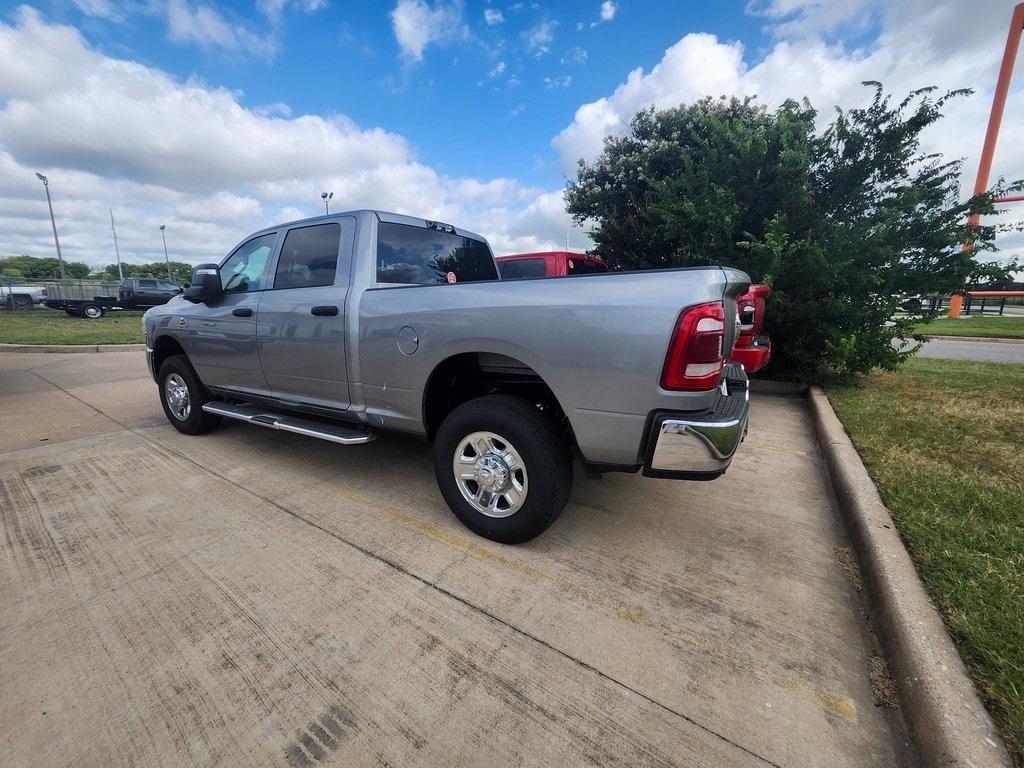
<point x="92" y="311"/>
<point x="22" y="302"/>
<point x="502" y="468"/>
<point x="182" y="396"/>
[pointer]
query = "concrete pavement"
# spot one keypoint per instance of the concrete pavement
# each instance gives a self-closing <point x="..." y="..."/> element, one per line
<point x="983" y="351"/>
<point x="256" y="598"/>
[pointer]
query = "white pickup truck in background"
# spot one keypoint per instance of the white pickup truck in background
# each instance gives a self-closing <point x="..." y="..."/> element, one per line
<point x="15" y="296"/>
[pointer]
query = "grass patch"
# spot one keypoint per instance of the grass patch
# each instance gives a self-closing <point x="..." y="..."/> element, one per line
<point x="1005" y="327"/>
<point x="944" y="441"/>
<point x="51" y="326"/>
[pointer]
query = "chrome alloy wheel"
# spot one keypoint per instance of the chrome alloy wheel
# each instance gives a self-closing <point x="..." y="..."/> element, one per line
<point x="490" y="474"/>
<point x="178" y="400"/>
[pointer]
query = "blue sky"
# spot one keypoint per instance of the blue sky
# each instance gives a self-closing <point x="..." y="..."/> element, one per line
<point x="216" y="118"/>
<point x="485" y="102"/>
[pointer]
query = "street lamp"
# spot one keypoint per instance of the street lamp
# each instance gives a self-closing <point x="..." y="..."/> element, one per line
<point x="326" y="197"/>
<point x="53" y="223"/>
<point x="166" y="259"/>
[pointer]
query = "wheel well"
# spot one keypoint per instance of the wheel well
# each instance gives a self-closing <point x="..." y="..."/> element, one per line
<point x="164" y="347"/>
<point x="464" y="377"/>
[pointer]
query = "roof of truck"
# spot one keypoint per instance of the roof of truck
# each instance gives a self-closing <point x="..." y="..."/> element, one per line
<point x="388" y="216"/>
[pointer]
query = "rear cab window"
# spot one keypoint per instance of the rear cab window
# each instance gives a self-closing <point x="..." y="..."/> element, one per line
<point x="522" y="268"/>
<point x="584" y="267"/>
<point x="414" y="255"/>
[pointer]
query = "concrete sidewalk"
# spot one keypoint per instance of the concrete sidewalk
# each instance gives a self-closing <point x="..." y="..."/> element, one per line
<point x="255" y="598"/>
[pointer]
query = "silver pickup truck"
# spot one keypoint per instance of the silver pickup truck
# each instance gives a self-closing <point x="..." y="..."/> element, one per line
<point x="340" y="326"/>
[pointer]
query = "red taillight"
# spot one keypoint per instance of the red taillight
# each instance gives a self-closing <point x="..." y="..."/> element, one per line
<point x="45" y="292"/>
<point x="750" y="307"/>
<point x="694" y="359"/>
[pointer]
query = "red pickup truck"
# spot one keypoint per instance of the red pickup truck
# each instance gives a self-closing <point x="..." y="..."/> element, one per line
<point x="752" y="349"/>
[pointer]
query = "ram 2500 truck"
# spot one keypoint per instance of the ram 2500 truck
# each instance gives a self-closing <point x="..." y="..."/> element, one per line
<point x="340" y="326"/>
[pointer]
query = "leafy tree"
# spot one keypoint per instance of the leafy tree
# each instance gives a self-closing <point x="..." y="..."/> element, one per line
<point x="181" y="273"/>
<point x="33" y="268"/>
<point x="843" y="223"/>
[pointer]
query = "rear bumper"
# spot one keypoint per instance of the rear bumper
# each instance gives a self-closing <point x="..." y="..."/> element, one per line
<point x="698" y="446"/>
<point x="755" y="357"/>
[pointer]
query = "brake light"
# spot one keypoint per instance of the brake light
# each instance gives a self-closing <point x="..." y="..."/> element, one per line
<point x="750" y="308"/>
<point x="695" y="355"/>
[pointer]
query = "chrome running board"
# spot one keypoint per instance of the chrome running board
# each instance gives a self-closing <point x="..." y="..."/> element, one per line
<point x="333" y="433"/>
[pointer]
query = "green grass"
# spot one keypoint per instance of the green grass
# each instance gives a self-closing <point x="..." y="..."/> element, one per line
<point x="50" y="326"/>
<point x="944" y="441"/>
<point x="1005" y="327"/>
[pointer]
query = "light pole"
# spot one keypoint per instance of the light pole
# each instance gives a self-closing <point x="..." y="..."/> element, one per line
<point x="326" y="197"/>
<point x="166" y="259"/>
<point x="53" y="223"/>
<point x="117" y="251"/>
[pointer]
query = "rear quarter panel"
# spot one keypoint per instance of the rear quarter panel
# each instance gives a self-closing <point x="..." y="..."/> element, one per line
<point x="598" y="341"/>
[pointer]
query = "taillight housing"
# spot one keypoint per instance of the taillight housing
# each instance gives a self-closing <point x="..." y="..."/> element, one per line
<point x="750" y="308"/>
<point x="695" y="353"/>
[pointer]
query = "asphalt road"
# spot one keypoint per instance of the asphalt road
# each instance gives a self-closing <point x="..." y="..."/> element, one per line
<point x="985" y="351"/>
<point x="251" y="597"/>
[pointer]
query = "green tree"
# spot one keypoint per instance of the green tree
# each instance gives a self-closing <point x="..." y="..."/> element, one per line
<point x="33" y="268"/>
<point x="842" y="223"/>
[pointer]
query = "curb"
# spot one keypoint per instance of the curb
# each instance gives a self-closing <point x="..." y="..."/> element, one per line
<point x="72" y="347"/>
<point x="990" y="339"/>
<point x="947" y="721"/>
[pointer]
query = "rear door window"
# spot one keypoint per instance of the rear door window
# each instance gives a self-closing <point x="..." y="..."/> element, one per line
<point x="408" y="254"/>
<point x="309" y="257"/>
<point x="150" y="284"/>
<point x="522" y="268"/>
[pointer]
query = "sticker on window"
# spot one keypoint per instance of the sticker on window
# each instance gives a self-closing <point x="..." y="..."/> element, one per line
<point x="452" y="278"/>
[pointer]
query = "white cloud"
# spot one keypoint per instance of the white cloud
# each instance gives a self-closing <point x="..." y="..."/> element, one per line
<point x="539" y="38"/>
<point x="417" y="24"/>
<point x="562" y="81"/>
<point x="273" y="9"/>
<point x="493" y="16"/>
<point x="102" y="9"/>
<point x="608" y="10"/>
<point x="189" y="155"/>
<point x="205" y="27"/>
<point x="497" y="69"/>
<point x="921" y="43"/>
<point x="577" y="55"/>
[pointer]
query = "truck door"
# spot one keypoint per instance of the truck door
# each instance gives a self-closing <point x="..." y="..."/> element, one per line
<point x="146" y="293"/>
<point x="301" y="326"/>
<point x="223" y="329"/>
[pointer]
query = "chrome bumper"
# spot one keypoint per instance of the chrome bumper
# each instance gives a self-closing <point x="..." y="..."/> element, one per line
<point x="698" y="447"/>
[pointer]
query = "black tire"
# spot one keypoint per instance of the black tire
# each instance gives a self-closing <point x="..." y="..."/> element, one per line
<point x="92" y="311"/>
<point x="22" y="302"/>
<point x="197" y="421"/>
<point x="545" y="458"/>
<point x="71" y="312"/>
<point x="912" y="305"/>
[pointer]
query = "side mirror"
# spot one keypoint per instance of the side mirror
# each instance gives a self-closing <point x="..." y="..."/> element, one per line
<point x="205" y="284"/>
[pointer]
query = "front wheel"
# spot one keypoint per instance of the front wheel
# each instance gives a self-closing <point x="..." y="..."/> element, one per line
<point x="502" y="468"/>
<point x="182" y="396"/>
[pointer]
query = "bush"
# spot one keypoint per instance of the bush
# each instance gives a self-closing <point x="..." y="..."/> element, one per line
<point x="843" y="224"/>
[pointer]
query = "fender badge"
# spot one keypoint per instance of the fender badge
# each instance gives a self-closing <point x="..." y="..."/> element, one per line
<point x="182" y="322"/>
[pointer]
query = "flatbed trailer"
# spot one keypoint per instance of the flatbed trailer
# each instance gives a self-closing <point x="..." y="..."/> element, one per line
<point x="85" y="298"/>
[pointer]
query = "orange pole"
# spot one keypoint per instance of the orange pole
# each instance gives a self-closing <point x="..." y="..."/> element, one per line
<point x="995" y="119"/>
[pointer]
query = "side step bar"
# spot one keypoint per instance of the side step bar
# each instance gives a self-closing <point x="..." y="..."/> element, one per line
<point x="253" y="415"/>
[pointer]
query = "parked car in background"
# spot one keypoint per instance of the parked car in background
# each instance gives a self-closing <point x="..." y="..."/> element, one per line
<point x="20" y="297"/>
<point x="145" y="292"/>
<point x="752" y="350"/>
<point x="549" y="264"/>
<point x="342" y="325"/>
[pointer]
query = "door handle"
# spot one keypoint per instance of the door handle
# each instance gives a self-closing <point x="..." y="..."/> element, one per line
<point x="242" y="312"/>
<point x="325" y="311"/>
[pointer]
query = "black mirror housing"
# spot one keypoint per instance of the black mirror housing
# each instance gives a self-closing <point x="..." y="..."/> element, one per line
<point x="205" y="284"/>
